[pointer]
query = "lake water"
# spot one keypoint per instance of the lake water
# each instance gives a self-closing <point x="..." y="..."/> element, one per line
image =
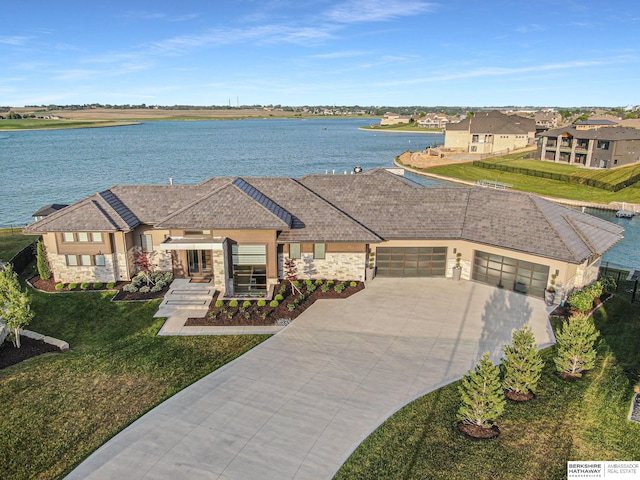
<point x="63" y="166"/>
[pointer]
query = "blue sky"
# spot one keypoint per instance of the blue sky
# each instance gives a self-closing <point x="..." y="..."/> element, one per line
<point x="321" y="52"/>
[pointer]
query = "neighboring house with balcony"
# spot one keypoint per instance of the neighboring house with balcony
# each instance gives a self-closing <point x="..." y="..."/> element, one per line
<point x="435" y="120"/>
<point x="594" y="148"/>
<point x="490" y="132"/>
<point x="546" y="120"/>
<point x="238" y="232"/>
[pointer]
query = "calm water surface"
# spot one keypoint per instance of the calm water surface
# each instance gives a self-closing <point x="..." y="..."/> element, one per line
<point x="63" y="166"/>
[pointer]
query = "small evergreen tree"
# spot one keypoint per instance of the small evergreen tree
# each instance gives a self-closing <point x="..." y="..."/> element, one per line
<point x="15" y="304"/>
<point x="44" y="269"/>
<point x="481" y="394"/>
<point x="522" y="364"/>
<point x="576" y="351"/>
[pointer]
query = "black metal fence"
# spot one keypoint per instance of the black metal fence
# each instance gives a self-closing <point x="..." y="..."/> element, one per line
<point x="575" y="179"/>
<point x="23" y="258"/>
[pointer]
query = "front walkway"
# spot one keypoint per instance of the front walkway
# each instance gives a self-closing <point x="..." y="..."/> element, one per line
<point x="297" y="405"/>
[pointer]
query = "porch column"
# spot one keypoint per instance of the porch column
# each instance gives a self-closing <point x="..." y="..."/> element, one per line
<point x="219" y="268"/>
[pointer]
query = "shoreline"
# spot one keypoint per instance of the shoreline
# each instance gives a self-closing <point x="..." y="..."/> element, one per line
<point x="432" y="132"/>
<point x="72" y="127"/>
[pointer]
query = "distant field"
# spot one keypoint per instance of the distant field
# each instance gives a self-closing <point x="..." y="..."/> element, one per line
<point x="34" y="124"/>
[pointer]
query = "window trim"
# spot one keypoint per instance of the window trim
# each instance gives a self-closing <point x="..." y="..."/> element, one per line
<point x="91" y="237"/>
<point x="79" y="260"/>
<point x="142" y="242"/>
<point x="316" y="254"/>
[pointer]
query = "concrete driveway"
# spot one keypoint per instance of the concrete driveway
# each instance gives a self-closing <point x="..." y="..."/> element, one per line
<point x="296" y="406"/>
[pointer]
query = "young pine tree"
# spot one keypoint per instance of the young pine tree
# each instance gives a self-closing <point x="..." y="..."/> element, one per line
<point x="15" y="304"/>
<point x="44" y="270"/>
<point x="522" y="364"/>
<point x="481" y="395"/>
<point x="576" y="351"/>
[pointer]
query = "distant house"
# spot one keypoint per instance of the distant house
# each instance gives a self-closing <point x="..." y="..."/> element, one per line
<point x="47" y="210"/>
<point x="239" y="232"/>
<point x="546" y="120"/>
<point x="395" y="119"/>
<point x="490" y="132"/>
<point x="595" y="147"/>
<point x="435" y="120"/>
<point x="594" y="124"/>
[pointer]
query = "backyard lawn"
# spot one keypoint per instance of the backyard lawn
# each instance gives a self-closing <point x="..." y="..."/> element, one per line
<point x="12" y="241"/>
<point x="59" y="407"/>
<point x="546" y="186"/>
<point x="584" y="420"/>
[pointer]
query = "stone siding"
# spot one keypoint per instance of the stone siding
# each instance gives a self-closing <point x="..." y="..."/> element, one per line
<point x="219" y="276"/>
<point x="336" y="266"/>
<point x="80" y="274"/>
<point x="586" y="274"/>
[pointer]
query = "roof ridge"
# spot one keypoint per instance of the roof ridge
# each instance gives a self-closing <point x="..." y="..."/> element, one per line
<point x="334" y="207"/>
<point x="535" y="199"/>
<point x="578" y="230"/>
<point x="119" y="204"/>
<point x="270" y="205"/>
<point x="106" y="214"/>
<point x="62" y="212"/>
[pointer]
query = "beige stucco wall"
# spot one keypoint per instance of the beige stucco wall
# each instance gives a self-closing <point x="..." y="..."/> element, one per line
<point x="457" y="140"/>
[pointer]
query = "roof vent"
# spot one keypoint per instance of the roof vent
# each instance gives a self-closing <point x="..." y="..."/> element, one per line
<point x="357" y="170"/>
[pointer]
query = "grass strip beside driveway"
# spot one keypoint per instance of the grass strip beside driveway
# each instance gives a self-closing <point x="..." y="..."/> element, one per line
<point x="58" y="408"/>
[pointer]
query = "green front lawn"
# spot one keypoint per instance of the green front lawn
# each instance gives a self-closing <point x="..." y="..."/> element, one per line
<point x="585" y="420"/>
<point x="12" y="241"/>
<point x="58" y="408"/>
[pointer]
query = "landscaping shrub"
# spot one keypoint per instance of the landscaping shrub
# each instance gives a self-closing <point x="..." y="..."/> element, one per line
<point x="522" y="363"/>
<point x="219" y="303"/>
<point x="340" y="287"/>
<point x="325" y="287"/>
<point x="59" y="286"/>
<point x="318" y="282"/>
<point x="595" y="290"/>
<point x="233" y="303"/>
<point x="311" y="288"/>
<point x="97" y="285"/>
<point x="156" y="288"/>
<point x="264" y="315"/>
<point x="481" y="395"/>
<point x="44" y="269"/>
<point x="283" y="288"/>
<point x="609" y="285"/>
<point x="308" y="282"/>
<point x="291" y="307"/>
<point x="262" y="303"/>
<point x="274" y="303"/>
<point x="84" y="286"/>
<point x="111" y="285"/>
<point x="247" y="315"/>
<point x="246" y="304"/>
<point x="576" y="351"/>
<point x="72" y="286"/>
<point x="330" y="282"/>
<point x="353" y="284"/>
<point x="581" y="299"/>
<point x="130" y="288"/>
<point x="145" y="289"/>
<point x="278" y="297"/>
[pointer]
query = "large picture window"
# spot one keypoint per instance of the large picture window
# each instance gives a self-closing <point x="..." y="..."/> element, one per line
<point x="294" y="251"/>
<point x="319" y="251"/>
<point x="249" y="268"/>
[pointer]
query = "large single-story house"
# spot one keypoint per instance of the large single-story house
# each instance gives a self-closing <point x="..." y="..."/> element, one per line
<point x="490" y="132"/>
<point x="239" y="231"/>
<point x="605" y="147"/>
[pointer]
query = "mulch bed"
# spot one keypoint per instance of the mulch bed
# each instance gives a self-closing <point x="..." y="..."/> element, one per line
<point x="50" y="286"/>
<point x="568" y="311"/>
<point x="123" y="296"/>
<point x="10" y="355"/>
<point x="519" y="397"/>
<point x="479" y="433"/>
<point x="253" y="315"/>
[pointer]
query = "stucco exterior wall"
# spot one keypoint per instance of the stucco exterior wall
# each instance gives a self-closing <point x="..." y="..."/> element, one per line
<point x="457" y="140"/>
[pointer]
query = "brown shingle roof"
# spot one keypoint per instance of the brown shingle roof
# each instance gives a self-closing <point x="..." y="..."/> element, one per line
<point x="495" y="123"/>
<point x="607" y="133"/>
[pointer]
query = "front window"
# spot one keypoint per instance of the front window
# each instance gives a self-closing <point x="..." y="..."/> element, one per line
<point x="249" y="268"/>
<point x="294" y="251"/>
<point x="146" y="242"/>
<point x="602" y="145"/>
<point x="72" y="260"/>
<point x="85" y="260"/>
<point x="319" y="251"/>
<point x="83" y="237"/>
<point x="96" y="237"/>
<point x="68" y="237"/>
<point x="98" y="260"/>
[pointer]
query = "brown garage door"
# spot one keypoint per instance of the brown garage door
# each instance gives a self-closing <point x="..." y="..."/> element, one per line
<point x="510" y="273"/>
<point x="411" y="261"/>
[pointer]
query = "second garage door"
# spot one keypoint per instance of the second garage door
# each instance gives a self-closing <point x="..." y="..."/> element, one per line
<point x="411" y="261"/>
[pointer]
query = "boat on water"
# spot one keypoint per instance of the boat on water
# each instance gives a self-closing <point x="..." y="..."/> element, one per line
<point x="624" y="212"/>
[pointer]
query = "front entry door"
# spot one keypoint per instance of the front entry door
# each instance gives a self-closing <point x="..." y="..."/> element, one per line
<point x="200" y="264"/>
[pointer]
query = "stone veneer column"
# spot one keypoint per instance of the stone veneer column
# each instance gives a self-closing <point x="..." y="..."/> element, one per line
<point x="219" y="271"/>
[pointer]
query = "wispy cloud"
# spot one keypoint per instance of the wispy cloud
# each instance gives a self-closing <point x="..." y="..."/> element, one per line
<point x="17" y="40"/>
<point x="359" y="11"/>
<point x="146" y="16"/>
<point x="534" y="27"/>
<point x="344" y="54"/>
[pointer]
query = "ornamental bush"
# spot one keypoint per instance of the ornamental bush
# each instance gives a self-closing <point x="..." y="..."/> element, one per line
<point x="291" y="307"/>
<point x="219" y="303"/>
<point x="97" y="285"/>
<point x="353" y="284"/>
<point x="44" y="269"/>
<point x="262" y="303"/>
<point x="274" y="303"/>
<point x="576" y="341"/>
<point x="318" y="282"/>
<point x="522" y="364"/>
<point x="325" y="287"/>
<point x="279" y="297"/>
<point x="595" y="290"/>
<point x="581" y="299"/>
<point x="156" y="288"/>
<point x="246" y="304"/>
<point x="72" y="286"/>
<point x="482" y="399"/>
<point x="609" y="285"/>
<point x="111" y="285"/>
<point x="130" y="288"/>
<point x="59" y="286"/>
<point x="233" y="303"/>
<point x="145" y="289"/>
<point x="84" y="286"/>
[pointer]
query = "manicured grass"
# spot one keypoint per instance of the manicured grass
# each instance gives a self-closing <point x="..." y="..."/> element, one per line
<point x="541" y="186"/>
<point x="58" y="408"/>
<point x="12" y="241"/>
<point x="584" y="420"/>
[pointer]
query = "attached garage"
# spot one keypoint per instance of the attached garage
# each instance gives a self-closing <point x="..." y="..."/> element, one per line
<point x="510" y="273"/>
<point x="411" y="261"/>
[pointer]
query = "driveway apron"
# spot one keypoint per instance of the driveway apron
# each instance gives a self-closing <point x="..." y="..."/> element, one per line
<point x="297" y="405"/>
